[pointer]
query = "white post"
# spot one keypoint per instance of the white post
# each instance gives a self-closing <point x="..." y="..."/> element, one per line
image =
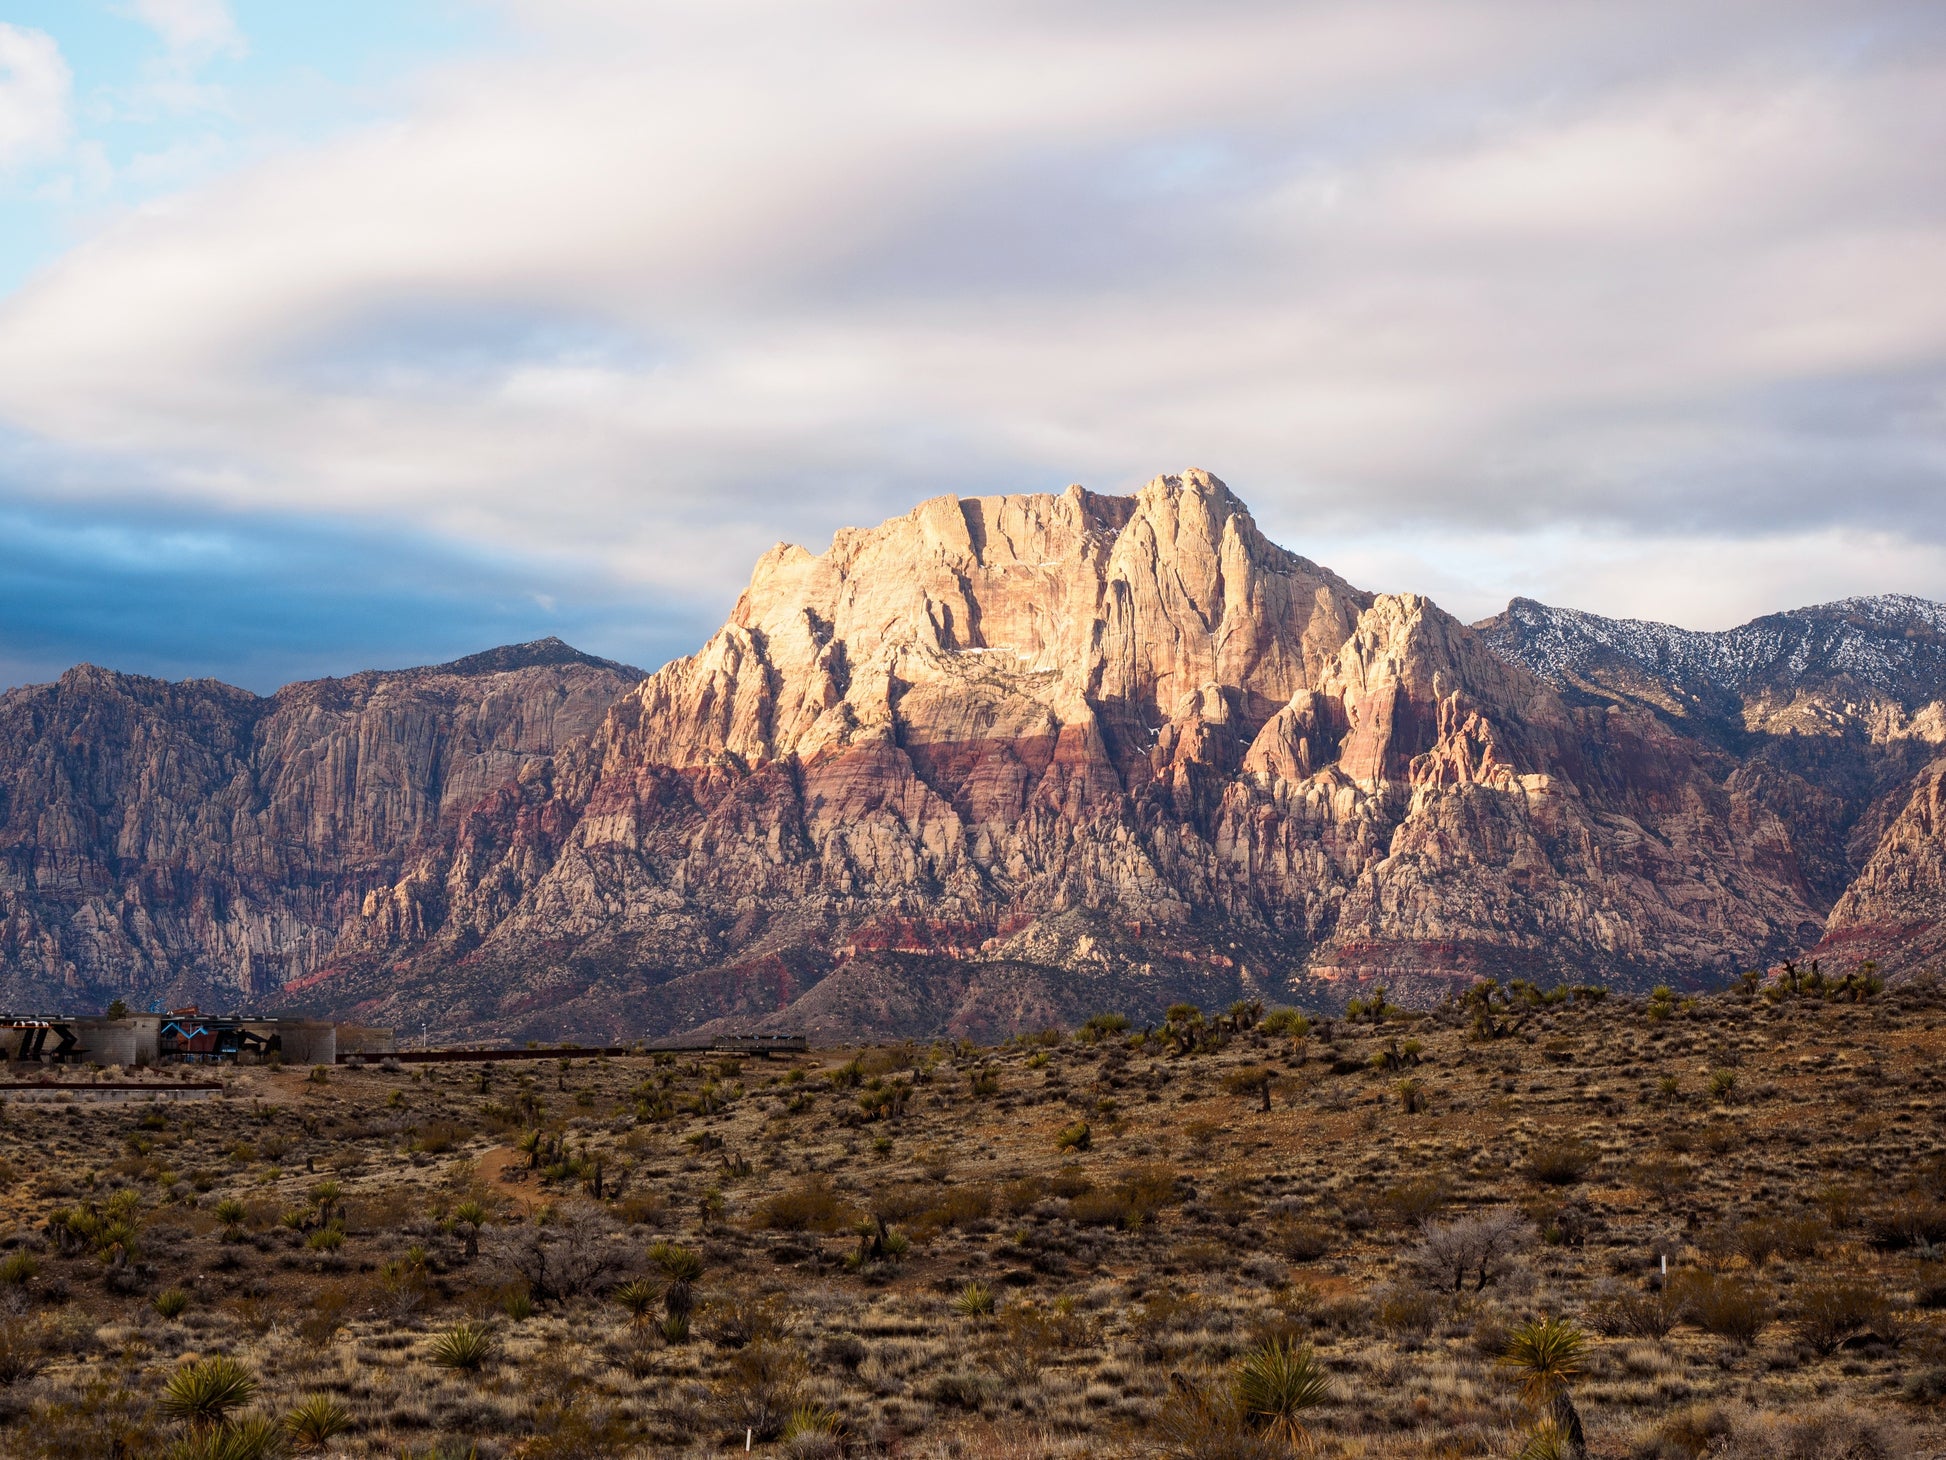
<point x="746" y="1438"/>
<point x="1665" y="1264"/>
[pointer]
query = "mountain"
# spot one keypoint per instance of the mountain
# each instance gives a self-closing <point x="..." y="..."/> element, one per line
<point x="1836" y="714"/>
<point x="1870" y="662"/>
<point x="1047" y="754"/>
<point x="998" y="762"/>
<point x="166" y="842"/>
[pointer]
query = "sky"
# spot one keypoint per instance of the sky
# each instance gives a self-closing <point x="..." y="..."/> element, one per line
<point x="376" y="333"/>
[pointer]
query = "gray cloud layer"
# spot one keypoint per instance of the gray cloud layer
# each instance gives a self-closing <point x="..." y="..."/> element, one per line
<point x="1635" y="307"/>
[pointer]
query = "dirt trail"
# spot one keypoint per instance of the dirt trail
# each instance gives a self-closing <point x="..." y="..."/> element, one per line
<point x="501" y="1168"/>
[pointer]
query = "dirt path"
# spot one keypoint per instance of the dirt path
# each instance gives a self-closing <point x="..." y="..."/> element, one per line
<point x="502" y="1168"/>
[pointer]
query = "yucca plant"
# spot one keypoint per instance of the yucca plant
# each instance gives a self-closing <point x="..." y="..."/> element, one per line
<point x="253" y="1437"/>
<point x="326" y="1196"/>
<point x="171" y="1302"/>
<point x="809" y="1419"/>
<point x="682" y="1266"/>
<point x="204" y="1392"/>
<point x="975" y="1300"/>
<point x="1276" y="1383"/>
<point x="464" y="1346"/>
<point x="317" y="1420"/>
<point x="639" y="1296"/>
<point x="231" y="1212"/>
<point x="1548" y="1441"/>
<point x="1548" y="1355"/>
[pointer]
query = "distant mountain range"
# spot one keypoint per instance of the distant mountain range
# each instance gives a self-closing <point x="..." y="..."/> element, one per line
<point x="999" y="762"/>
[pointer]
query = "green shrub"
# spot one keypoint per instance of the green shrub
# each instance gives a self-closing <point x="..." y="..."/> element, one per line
<point x="171" y="1302"/>
<point x="251" y="1437"/>
<point x="1287" y="1022"/>
<point x="1077" y="1137"/>
<point x="640" y="1298"/>
<point x="17" y="1269"/>
<point x="1102" y="1026"/>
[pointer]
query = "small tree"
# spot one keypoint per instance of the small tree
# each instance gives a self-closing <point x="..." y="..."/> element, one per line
<point x="1251" y="1080"/>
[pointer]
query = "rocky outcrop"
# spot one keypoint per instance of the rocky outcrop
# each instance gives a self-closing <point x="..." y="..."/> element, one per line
<point x="995" y="763"/>
<point x="1894" y="911"/>
<point x="161" y="841"/>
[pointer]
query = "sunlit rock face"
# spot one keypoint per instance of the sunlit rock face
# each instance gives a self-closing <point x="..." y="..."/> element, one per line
<point x="997" y="763"/>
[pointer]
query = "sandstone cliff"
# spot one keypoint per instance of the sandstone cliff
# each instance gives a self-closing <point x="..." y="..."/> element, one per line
<point x="997" y="762"/>
<point x="1097" y="738"/>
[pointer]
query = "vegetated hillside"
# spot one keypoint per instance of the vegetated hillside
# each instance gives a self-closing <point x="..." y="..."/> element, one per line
<point x="1238" y="1234"/>
<point x="997" y="760"/>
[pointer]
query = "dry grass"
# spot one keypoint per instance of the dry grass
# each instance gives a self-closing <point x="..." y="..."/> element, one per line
<point x="1547" y="1172"/>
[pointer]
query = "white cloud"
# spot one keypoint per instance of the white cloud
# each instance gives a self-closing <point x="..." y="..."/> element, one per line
<point x="681" y="277"/>
<point x="35" y="87"/>
<point x="194" y="28"/>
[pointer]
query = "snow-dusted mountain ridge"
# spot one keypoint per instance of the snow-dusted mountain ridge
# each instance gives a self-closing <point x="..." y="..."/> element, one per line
<point x="1892" y="645"/>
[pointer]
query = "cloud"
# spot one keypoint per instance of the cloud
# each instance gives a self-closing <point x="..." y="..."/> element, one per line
<point x="192" y="28"/>
<point x="668" y="281"/>
<point x="35" y="87"/>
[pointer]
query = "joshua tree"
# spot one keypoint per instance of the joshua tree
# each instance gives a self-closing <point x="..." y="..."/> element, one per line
<point x="469" y="1217"/>
<point x="1251" y="1080"/>
<point x="682" y="1266"/>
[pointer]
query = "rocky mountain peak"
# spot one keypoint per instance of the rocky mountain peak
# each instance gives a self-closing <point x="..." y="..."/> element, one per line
<point x="537" y="653"/>
<point x="998" y="759"/>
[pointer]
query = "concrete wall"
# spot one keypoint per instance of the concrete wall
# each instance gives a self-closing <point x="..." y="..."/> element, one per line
<point x="307" y="1043"/>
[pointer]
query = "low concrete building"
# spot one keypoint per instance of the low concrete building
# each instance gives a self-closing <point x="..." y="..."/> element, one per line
<point x="183" y="1036"/>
